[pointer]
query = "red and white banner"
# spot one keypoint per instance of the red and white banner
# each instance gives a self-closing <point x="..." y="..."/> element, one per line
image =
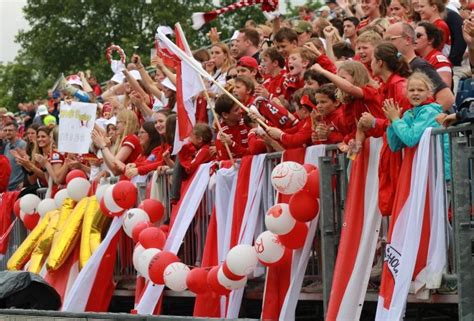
<point x="359" y="235"/>
<point x="188" y="86"/>
<point x="187" y="208"/>
<point x="283" y="281"/>
<point x="416" y="246"/>
<point x="92" y="288"/>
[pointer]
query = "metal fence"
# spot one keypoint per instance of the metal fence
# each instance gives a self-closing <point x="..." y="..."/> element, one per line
<point x="333" y="186"/>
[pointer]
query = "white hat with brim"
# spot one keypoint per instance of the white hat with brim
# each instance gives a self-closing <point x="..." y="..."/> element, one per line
<point x="168" y="84"/>
<point x="42" y="110"/>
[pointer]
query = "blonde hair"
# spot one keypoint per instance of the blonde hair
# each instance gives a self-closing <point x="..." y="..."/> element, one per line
<point x="369" y="36"/>
<point x="130" y="120"/>
<point x="360" y="76"/>
<point x="421" y="76"/>
<point x="228" y="60"/>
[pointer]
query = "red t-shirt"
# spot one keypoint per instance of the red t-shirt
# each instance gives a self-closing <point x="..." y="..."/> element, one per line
<point x="299" y="135"/>
<point x="439" y="61"/>
<point x="132" y="142"/>
<point x="240" y="144"/>
<point x="146" y="164"/>
<point x="274" y="85"/>
<point x="191" y="158"/>
<point x="275" y="115"/>
<point x="337" y="127"/>
<point x="291" y="85"/>
<point x="370" y="102"/>
<point x="443" y="26"/>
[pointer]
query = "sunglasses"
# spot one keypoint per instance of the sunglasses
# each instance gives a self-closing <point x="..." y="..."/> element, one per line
<point x="229" y="77"/>
<point x="419" y="35"/>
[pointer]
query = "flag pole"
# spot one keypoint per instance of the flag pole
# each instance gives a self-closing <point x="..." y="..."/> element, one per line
<point x="206" y="94"/>
<point x="205" y="74"/>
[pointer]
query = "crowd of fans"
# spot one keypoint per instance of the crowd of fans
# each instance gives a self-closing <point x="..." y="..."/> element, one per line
<point x="349" y="71"/>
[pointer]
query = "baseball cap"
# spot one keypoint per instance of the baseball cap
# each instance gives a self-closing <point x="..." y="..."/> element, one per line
<point x="330" y="1"/>
<point x="303" y="26"/>
<point x="248" y="62"/>
<point x="168" y="84"/>
<point x="42" y="110"/>
<point x="74" y="80"/>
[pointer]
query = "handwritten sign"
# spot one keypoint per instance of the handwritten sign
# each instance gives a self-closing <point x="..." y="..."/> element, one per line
<point x="76" y="121"/>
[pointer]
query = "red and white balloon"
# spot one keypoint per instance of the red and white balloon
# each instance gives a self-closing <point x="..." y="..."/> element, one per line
<point x="288" y="177"/>
<point x="278" y="219"/>
<point x="175" y="276"/>
<point x="268" y="248"/>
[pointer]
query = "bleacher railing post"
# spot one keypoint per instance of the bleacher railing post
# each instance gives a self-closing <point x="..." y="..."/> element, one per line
<point x="462" y="159"/>
<point x="327" y="225"/>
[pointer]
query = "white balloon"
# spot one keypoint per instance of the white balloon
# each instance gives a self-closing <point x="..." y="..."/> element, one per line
<point x="78" y="188"/>
<point x="144" y="261"/>
<point x="45" y="206"/>
<point x="278" y="219"/>
<point x="268" y="248"/>
<point x="228" y="283"/>
<point x="132" y="217"/>
<point x="175" y="276"/>
<point x="99" y="193"/>
<point x="60" y="196"/>
<point x="29" y="203"/>
<point x="242" y="259"/>
<point x="137" y="252"/>
<point x="109" y="201"/>
<point x="289" y="177"/>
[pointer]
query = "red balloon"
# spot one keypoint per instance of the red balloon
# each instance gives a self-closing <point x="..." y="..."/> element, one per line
<point x="153" y="208"/>
<point x="196" y="281"/>
<point x="309" y="168"/>
<point x="138" y="228"/>
<point x="303" y="206"/>
<point x="214" y="284"/>
<point x="158" y="265"/>
<point x="296" y="237"/>
<point x="106" y="211"/>
<point x="228" y="273"/>
<point x="124" y="194"/>
<point x="152" y="237"/>
<point x="74" y="174"/>
<point x="30" y="220"/>
<point x="165" y="228"/>
<point x="312" y="183"/>
<point x="16" y="208"/>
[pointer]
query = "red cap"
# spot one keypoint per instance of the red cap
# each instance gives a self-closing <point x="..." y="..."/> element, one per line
<point x="248" y="62"/>
<point x="306" y="101"/>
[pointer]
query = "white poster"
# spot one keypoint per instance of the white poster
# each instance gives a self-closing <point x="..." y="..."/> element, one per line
<point x="76" y="121"/>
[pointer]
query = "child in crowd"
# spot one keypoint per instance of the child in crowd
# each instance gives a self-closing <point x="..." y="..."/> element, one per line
<point x="261" y="107"/>
<point x="299" y="135"/>
<point x="359" y="94"/>
<point x="365" y="46"/>
<point x="328" y="118"/>
<point x="272" y="66"/>
<point x="314" y="80"/>
<point x="194" y="153"/>
<point x="300" y="60"/>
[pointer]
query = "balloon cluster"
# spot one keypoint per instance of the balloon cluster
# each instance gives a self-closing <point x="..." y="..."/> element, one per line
<point x="286" y="223"/>
<point x="287" y="230"/>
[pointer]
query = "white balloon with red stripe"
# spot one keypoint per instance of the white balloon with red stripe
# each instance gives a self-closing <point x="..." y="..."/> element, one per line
<point x="175" y="276"/>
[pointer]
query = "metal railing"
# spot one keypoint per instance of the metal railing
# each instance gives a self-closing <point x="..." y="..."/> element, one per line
<point x="333" y="187"/>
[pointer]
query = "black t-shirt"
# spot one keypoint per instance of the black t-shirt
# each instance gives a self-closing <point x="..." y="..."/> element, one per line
<point x="458" y="45"/>
<point x="419" y="64"/>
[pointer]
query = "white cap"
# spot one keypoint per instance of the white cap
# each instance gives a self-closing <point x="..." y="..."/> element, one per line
<point x="74" y="80"/>
<point x="42" y="110"/>
<point x="168" y="84"/>
<point x="135" y="74"/>
<point x="118" y="77"/>
<point x="235" y="35"/>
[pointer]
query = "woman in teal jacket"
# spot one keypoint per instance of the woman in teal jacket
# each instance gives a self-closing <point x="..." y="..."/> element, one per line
<point x="407" y="131"/>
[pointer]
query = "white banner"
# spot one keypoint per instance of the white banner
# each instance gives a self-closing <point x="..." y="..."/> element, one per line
<point x="76" y="121"/>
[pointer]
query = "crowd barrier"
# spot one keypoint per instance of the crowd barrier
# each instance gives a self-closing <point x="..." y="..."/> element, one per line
<point x="334" y="172"/>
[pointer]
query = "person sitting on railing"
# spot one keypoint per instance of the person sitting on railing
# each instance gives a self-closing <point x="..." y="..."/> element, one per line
<point x="299" y="135"/>
<point x="152" y="155"/>
<point x="194" y="153"/>
<point x="328" y="119"/>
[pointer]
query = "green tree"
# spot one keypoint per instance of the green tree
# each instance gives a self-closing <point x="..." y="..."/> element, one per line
<point x="67" y="36"/>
